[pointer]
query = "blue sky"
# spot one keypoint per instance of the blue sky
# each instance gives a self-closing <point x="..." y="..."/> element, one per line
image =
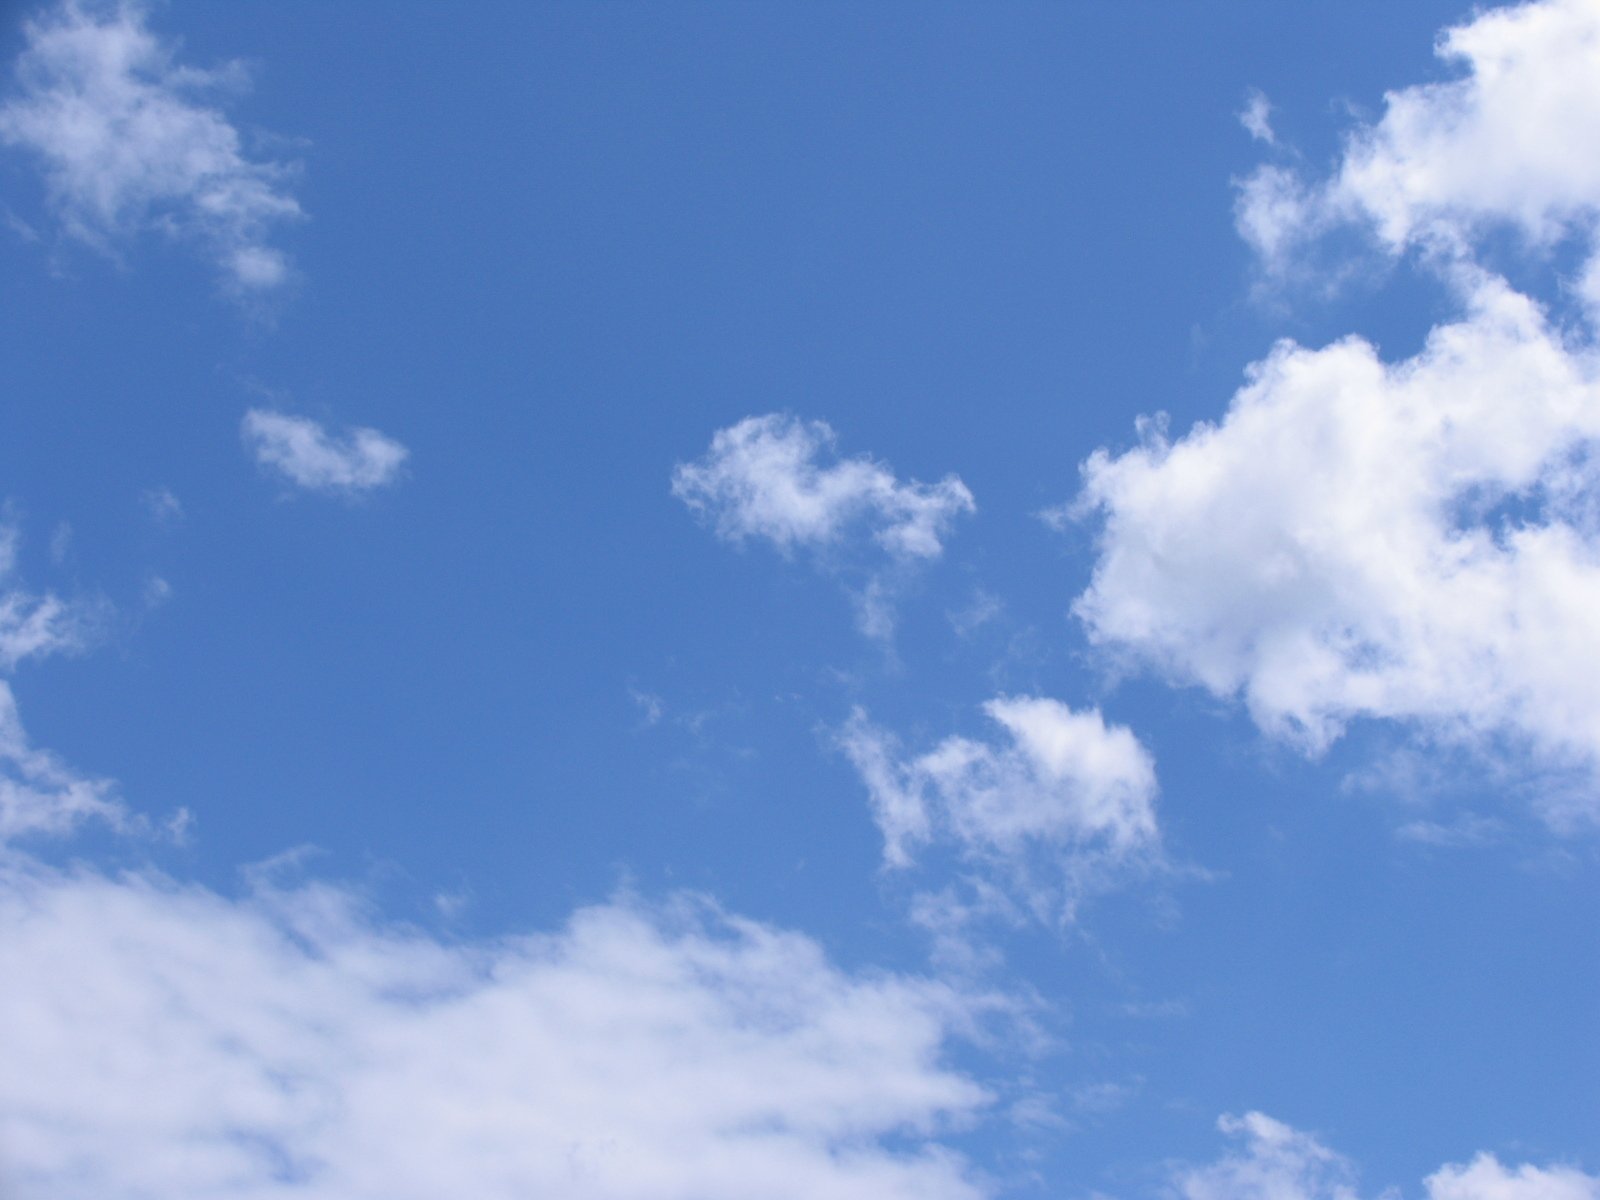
<point x="716" y="600"/>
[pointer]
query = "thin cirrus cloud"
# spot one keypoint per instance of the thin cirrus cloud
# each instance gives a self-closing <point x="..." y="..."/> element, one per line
<point x="35" y="625"/>
<point x="40" y="795"/>
<point x="130" y="145"/>
<point x="1046" y="813"/>
<point x="1278" y="1162"/>
<point x="283" y="1045"/>
<point x="307" y="455"/>
<point x="1414" y="541"/>
<point x="779" y="479"/>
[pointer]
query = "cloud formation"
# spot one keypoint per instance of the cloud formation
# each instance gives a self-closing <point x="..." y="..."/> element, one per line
<point x="309" y="456"/>
<point x="1416" y="540"/>
<point x="129" y="145"/>
<point x="284" y="1045"/>
<point x="1276" y="1162"/>
<point x="39" y="794"/>
<point x="1047" y="811"/>
<point x="1449" y="162"/>
<point x="770" y="477"/>
<point x="35" y="625"/>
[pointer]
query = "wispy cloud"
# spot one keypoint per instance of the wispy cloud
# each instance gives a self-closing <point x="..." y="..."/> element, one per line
<point x="130" y="145"/>
<point x="1278" y="1162"/>
<point x="39" y="794"/>
<point x="34" y="625"/>
<point x="1256" y="117"/>
<point x="779" y="479"/>
<point x="162" y="506"/>
<point x="306" y="454"/>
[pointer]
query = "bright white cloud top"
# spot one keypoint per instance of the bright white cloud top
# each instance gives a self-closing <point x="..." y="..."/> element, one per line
<point x="306" y="454"/>
<point x="779" y="479"/>
<point x="762" y="478"/>
<point x="1063" y="783"/>
<point x="172" y="1042"/>
<point x="1450" y="161"/>
<point x="1417" y="540"/>
<point x="129" y="145"/>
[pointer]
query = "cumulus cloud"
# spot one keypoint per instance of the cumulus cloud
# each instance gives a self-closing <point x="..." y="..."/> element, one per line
<point x="1360" y="539"/>
<point x="1485" y="1178"/>
<point x="1062" y="793"/>
<point x="779" y="479"/>
<point x="129" y="144"/>
<point x="1416" y="540"/>
<point x="285" y="1045"/>
<point x="309" y="456"/>
<point x="1450" y="161"/>
<point x="1277" y="1162"/>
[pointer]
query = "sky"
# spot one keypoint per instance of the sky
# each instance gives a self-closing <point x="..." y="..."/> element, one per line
<point x="870" y="601"/>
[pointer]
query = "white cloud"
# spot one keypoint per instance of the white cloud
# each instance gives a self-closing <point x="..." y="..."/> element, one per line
<point x="1064" y="788"/>
<point x="38" y="793"/>
<point x="35" y="625"/>
<point x="769" y="477"/>
<point x="1484" y="1178"/>
<point x="129" y="145"/>
<point x="167" y="1041"/>
<point x="32" y="626"/>
<point x="761" y="478"/>
<point x="1415" y="540"/>
<point x="1277" y="1162"/>
<point x="1339" y="546"/>
<point x="1256" y="117"/>
<point x="1449" y="161"/>
<point x="163" y="507"/>
<point x="305" y="453"/>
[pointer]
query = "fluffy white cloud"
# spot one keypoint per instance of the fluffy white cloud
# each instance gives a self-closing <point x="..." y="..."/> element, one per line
<point x="1342" y="544"/>
<point x="166" y="1041"/>
<point x="770" y="477"/>
<point x="1063" y="787"/>
<point x="1415" y="540"/>
<point x="1277" y="1162"/>
<point x="304" y="452"/>
<point x="762" y="478"/>
<point x="1484" y="1178"/>
<point x="1449" y="161"/>
<point x="128" y="144"/>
